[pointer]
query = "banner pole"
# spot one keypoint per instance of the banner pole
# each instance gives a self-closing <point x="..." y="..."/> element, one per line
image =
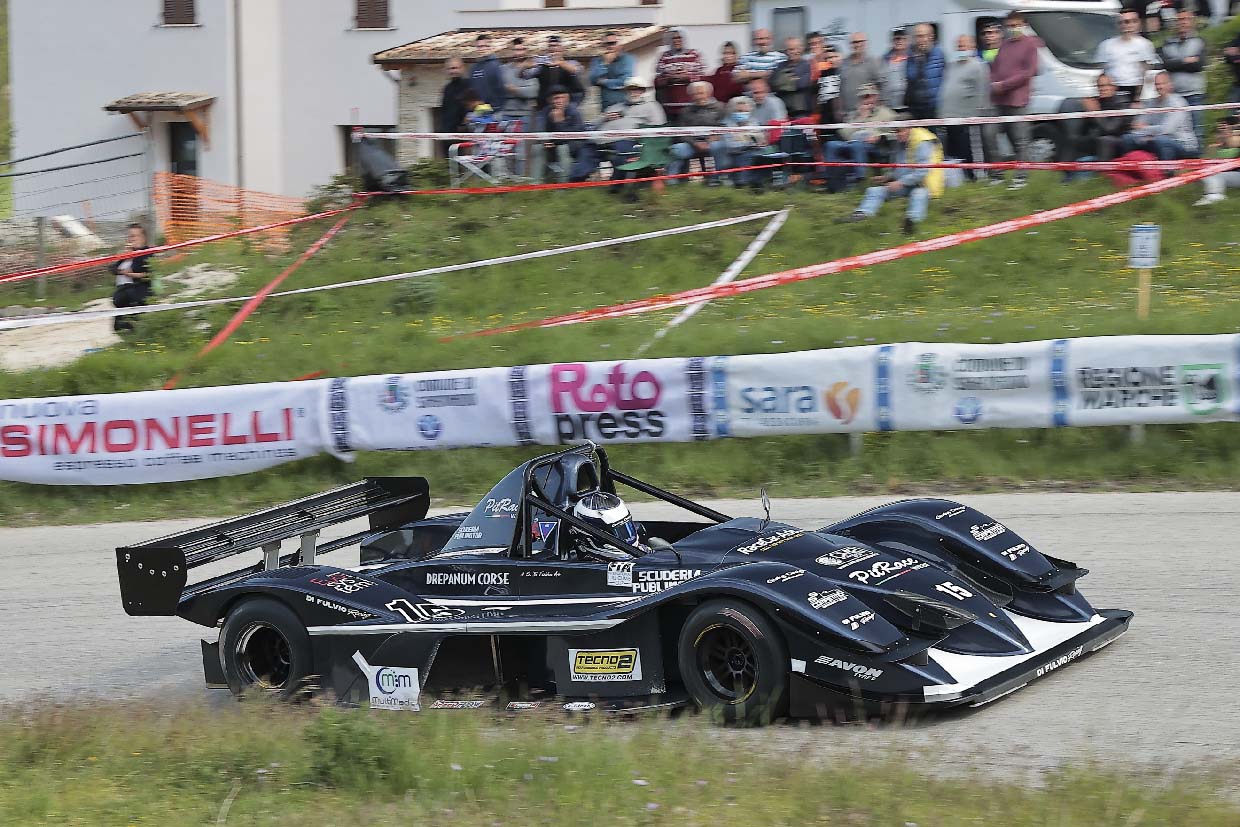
<point x="1143" y="293"/>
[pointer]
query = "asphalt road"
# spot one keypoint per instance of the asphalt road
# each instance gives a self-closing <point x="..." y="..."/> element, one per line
<point x="1163" y="695"/>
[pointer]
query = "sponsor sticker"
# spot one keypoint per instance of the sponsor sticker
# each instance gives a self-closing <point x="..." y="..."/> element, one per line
<point x="1016" y="552"/>
<point x="989" y="531"/>
<point x="653" y="581"/>
<point x="1199" y="389"/>
<point x="343" y="582"/>
<point x="770" y="541"/>
<point x="391" y="687"/>
<point x="503" y="507"/>
<point x="578" y="706"/>
<point x="601" y="665"/>
<point x="445" y="704"/>
<point x="620" y="574"/>
<point x="844" y="557"/>
<point x="349" y="611"/>
<point x="928" y="375"/>
<point x="523" y="706"/>
<point x="823" y="600"/>
<point x="951" y="512"/>
<point x="468" y="532"/>
<point x="865" y="673"/>
<point x="467" y="578"/>
<point x="858" y="620"/>
<point x="1062" y="660"/>
<point x="627" y="404"/>
<point x="883" y="570"/>
<point x="421" y="612"/>
<point x="786" y="576"/>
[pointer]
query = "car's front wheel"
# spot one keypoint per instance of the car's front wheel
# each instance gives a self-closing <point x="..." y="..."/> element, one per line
<point x="733" y="662"/>
<point x="264" y="647"/>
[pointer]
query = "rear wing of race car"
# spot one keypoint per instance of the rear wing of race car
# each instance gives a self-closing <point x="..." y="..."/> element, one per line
<point x="153" y="575"/>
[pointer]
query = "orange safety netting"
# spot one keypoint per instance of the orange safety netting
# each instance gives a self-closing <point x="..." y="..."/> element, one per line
<point x="191" y="207"/>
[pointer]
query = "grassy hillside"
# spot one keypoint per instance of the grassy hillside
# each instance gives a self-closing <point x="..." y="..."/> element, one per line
<point x="1065" y="279"/>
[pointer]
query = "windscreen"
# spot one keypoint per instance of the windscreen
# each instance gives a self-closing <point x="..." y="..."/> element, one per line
<point x="1073" y="36"/>
<point x="493" y="522"/>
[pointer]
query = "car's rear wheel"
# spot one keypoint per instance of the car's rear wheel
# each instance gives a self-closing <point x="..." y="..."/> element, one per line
<point x="733" y="662"/>
<point x="265" y="648"/>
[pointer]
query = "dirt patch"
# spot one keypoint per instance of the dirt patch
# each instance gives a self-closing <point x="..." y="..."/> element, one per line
<point x="55" y="345"/>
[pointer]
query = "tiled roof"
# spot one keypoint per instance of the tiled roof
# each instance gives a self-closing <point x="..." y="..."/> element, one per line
<point x="160" y="102"/>
<point x="579" y="42"/>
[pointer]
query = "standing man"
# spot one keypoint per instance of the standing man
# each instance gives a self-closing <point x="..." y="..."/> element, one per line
<point x="827" y="97"/>
<point x="452" y="109"/>
<point x="520" y="88"/>
<point x="925" y="74"/>
<point x="895" y="70"/>
<point x="1127" y="58"/>
<point x="487" y="75"/>
<point x="1184" y="56"/>
<point x="859" y="69"/>
<point x="992" y="39"/>
<point x="610" y="71"/>
<point x="791" y="80"/>
<point x="677" y="68"/>
<point x="554" y="69"/>
<point x="761" y="62"/>
<point x="1011" y="82"/>
<point x="966" y="94"/>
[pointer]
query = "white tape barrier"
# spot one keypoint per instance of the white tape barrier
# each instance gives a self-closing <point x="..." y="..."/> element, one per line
<point x="94" y="315"/>
<point x="159" y="436"/>
<point x="674" y="131"/>
<point x="734" y="269"/>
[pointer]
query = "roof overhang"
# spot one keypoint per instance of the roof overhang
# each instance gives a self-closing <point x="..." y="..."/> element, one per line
<point x="194" y="106"/>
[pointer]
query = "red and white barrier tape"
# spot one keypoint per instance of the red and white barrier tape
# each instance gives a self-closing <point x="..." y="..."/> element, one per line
<point x="729" y="275"/>
<point x="55" y="269"/>
<point x="671" y="131"/>
<point x="93" y="315"/>
<point x="252" y="304"/>
<point x="814" y="271"/>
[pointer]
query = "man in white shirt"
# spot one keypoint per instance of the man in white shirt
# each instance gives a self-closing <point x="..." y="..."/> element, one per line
<point x="1127" y="58"/>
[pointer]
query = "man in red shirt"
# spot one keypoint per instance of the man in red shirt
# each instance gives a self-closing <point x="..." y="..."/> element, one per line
<point x="1011" y="78"/>
<point x="676" y="69"/>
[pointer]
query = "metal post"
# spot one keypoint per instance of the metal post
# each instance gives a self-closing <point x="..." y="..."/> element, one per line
<point x="1136" y="434"/>
<point x="308" y="548"/>
<point x="271" y="556"/>
<point x="1143" y="293"/>
<point x="856" y="442"/>
<point x="148" y="172"/>
<point x="40" y="256"/>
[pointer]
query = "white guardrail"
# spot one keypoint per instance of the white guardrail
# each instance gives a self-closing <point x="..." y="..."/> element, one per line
<point x="163" y="436"/>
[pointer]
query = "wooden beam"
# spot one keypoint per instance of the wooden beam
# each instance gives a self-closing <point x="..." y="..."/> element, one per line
<point x="202" y="125"/>
<point x="137" y="119"/>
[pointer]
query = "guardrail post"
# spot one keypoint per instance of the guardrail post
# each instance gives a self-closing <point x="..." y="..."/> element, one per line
<point x="856" y="441"/>
<point x="1136" y="434"/>
<point x="309" y="544"/>
<point x="40" y="256"/>
<point x="271" y="556"/>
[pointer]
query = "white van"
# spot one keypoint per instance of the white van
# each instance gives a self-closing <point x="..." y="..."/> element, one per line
<point x="1071" y="30"/>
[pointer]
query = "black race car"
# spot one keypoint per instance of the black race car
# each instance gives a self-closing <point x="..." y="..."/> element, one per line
<point x="922" y="603"/>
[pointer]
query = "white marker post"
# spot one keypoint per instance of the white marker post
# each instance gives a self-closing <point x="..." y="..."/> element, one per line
<point x="1143" y="248"/>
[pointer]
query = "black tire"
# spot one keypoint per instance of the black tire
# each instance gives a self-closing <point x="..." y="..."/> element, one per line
<point x="734" y="663"/>
<point x="264" y="648"/>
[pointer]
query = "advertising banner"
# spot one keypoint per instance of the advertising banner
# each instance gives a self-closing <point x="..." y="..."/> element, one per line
<point x="811" y="392"/>
<point x="420" y="411"/>
<point x="939" y="387"/>
<point x="160" y="436"/>
<point x="642" y="400"/>
<point x="1127" y="380"/>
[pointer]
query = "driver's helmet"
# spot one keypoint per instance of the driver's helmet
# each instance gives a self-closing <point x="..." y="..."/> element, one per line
<point x="609" y="514"/>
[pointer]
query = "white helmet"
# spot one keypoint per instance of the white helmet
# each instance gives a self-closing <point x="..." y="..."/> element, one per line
<point x="608" y="514"/>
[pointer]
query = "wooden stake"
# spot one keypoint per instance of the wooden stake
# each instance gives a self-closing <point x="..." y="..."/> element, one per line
<point x="1143" y="294"/>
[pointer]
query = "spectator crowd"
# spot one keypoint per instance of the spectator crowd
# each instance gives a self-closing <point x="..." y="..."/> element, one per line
<point x="766" y="93"/>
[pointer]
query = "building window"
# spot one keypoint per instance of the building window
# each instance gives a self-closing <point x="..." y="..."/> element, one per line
<point x="372" y="14"/>
<point x="740" y="11"/>
<point x="651" y="2"/>
<point x="179" y="13"/>
<point x="553" y="4"/>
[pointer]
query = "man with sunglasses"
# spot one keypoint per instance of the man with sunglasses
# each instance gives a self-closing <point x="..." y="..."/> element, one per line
<point x="858" y="70"/>
<point x="610" y="70"/>
<point x="1126" y="58"/>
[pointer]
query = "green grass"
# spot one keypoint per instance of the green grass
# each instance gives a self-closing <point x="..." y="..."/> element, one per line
<point x="168" y="765"/>
<point x="1065" y="279"/>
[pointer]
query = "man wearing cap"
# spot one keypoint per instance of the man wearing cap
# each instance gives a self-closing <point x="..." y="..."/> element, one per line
<point x="966" y="94"/>
<point x="676" y="69"/>
<point x="894" y="72"/>
<point x="860" y="142"/>
<point x="610" y="70"/>
<point x="857" y="70"/>
<point x="634" y="112"/>
<point x="559" y="115"/>
<point x="918" y="184"/>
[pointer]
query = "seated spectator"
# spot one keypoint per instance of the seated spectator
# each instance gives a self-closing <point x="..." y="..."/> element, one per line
<point x="133" y="278"/>
<point x="858" y="143"/>
<point x="766" y="107"/>
<point x="966" y="94"/>
<point x="1169" y="135"/>
<point x="1094" y="139"/>
<point x="791" y="79"/>
<point x="738" y="149"/>
<point x="559" y="115"/>
<point x="726" y="86"/>
<point x="1227" y="146"/>
<point x="703" y="110"/>
<point x="634" y="112"/>
<point x="913" y="145"/>
<point x="677" y="68"/>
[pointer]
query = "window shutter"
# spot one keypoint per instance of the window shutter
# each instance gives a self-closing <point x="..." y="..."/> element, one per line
<point x="372" y="14"/>
<point x="179" y="13"/>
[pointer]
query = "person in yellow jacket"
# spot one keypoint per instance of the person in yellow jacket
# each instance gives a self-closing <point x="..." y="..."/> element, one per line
<point x="915" y="145"/>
